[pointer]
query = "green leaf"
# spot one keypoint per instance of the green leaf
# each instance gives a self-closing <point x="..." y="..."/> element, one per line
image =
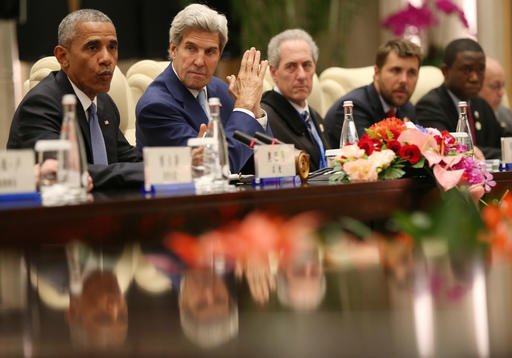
<point x="420" y="163"/>
<point x="392" y="172"/>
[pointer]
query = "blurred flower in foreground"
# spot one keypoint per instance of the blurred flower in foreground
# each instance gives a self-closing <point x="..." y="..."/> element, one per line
<point x="498" y="221"/>
<point x="422" y="17"/>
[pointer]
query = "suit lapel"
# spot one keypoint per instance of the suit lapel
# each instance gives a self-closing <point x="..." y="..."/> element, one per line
<point x="449" y="107"/>
<point x="183" y="96"/>
<point x="375" y="103"/>
<point x="63" y="81"/>
<point x="286" y="111"/>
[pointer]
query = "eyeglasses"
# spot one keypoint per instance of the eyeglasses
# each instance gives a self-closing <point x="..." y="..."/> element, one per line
<point x="496" y="86"/>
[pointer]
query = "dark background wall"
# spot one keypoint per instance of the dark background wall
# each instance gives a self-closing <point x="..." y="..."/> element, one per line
<point x="142" y="25"/>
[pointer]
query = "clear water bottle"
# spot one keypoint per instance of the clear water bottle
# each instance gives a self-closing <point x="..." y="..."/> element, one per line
<point x="215" y="176"/>
<point x="72" y="164"/>
<point x="348" y="130"/>
<point x="218" y="157"/>
<point x="463" y="130"/>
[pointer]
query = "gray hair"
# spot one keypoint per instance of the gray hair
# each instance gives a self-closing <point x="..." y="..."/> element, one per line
<point x="199" y="17"/>
<point x="274" y="56"/>
<point x="67" y="27"/>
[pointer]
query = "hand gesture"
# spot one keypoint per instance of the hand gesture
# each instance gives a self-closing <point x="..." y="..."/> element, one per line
<point x="247" y="87"/>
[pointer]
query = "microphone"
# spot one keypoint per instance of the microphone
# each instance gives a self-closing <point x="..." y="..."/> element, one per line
<point x="246" y="139"/>
<point x="267" y="139"/>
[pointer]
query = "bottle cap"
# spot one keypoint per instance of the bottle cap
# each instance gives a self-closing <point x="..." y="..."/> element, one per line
<point x="214" y="101"/>
<point x="68" y="99"/>
<point x="348" y="104"/>
<point x="463" y="104"/>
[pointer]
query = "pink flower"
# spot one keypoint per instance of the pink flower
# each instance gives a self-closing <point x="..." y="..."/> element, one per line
<point x="448" y="179"/>
<point x="449" y="7"/>
<point x="421" y="17"/>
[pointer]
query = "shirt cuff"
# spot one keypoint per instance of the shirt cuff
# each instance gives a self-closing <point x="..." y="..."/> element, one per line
<point x="262" y="120"/>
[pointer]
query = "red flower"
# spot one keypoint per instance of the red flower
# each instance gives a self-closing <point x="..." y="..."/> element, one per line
<point x="394" y="145"/>
<point x="410" y="152"/>
<point x="367" y="145"/>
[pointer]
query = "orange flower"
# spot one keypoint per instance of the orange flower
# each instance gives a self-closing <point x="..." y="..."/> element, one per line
<point x="387" y="129"/>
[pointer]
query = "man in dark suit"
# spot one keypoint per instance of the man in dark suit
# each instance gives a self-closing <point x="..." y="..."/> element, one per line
<point x="87" y="53"/>
<point x="464" y="70"/>
<point x="292" y="56"/>
<point x="395" y="75"/>
<point x="172" y="109"/>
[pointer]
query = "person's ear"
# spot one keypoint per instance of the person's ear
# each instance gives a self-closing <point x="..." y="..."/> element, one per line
<point x="61" y="54"/>
<point x="444" y="69"/>
<point x="376" y="71"/>
<point x="172" y="51"/>
<point x="273" y="71"/>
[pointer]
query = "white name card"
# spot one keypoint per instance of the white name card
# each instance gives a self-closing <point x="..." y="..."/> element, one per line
<point x="167" y="165"/>
<point x="506" y="149"/>
<point x="273" y="161"/>
<point x="17" y="171"/>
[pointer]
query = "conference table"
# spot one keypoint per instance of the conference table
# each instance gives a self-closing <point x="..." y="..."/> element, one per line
<point x="120" y="216"/>
<point x="329" y="298"/>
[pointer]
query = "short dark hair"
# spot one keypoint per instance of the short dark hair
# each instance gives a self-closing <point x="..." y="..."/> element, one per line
<point x="459" y="45"/>
<point x="67" y="27"/>
<point x="402" y="47"/>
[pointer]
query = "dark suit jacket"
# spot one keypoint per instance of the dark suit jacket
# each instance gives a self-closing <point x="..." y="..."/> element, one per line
<point x="39" y="116"/>
<point x="288" y="126"/>
<point x="437" y="110"/>
<point x="168" y="115"/>
<point x="367" y="111"/>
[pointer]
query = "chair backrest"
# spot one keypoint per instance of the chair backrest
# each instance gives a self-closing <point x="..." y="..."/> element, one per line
<point x="119" y="91"/>
<point x="351" y="78"/>
<point x="141" y="74"/>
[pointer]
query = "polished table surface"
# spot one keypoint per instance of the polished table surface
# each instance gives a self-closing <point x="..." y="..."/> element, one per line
<point x="441" y="307"/>
<point x="122" y="216"/>
<point x="330" y="296"/>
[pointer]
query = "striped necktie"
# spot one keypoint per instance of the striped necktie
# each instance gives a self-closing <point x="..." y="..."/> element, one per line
<point x="315" y="138"/>
<point x="201" y="98"/>
<point x="99" y="152"/>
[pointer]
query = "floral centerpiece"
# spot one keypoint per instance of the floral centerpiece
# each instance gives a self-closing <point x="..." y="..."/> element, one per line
<point x="390" y="147"/>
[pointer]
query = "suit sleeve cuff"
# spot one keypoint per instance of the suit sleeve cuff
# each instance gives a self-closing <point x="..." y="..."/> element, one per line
<point x="262" y="120"/>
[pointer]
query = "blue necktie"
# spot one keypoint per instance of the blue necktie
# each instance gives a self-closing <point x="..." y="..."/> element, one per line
<point x="201" y="98"/>
<point x="315" y="137"/>
<point x="99" y="153"/>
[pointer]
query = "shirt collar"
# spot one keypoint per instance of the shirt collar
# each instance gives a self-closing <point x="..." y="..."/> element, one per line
<point x="455" y="99"/>
<point x="84" y="99"/>
<point x="385" y="106"/>
<point x="194" y="92"/>
<point x="294" y="105"/>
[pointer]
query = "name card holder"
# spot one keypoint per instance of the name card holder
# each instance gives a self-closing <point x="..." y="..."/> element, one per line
<point x="275" y="166"/>
<point x="17" y="179"/>
<point x="167" y="170"/>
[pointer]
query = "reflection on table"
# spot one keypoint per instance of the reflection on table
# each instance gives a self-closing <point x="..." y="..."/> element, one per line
<point x="266" y="285"/>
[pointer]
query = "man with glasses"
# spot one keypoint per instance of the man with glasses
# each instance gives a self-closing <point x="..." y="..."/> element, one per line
<point x="493" y="91"/>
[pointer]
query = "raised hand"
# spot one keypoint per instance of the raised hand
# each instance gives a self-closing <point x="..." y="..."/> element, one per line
<point x="247" y="86"/>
